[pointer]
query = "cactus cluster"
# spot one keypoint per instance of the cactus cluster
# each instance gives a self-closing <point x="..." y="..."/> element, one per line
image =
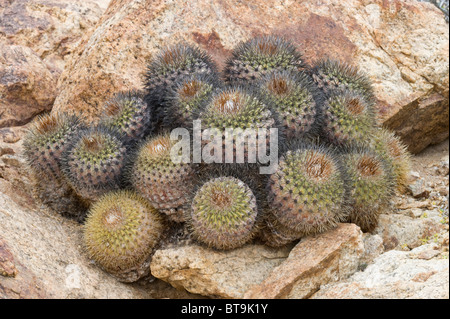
<point x="122" y="177"/>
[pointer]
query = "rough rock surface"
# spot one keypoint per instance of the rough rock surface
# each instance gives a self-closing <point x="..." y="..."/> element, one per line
<point x="223" y="274"/>
<point x="316" y="260"/>
<point x="52" y="29"/>
<point x="418" y="274"/>
<point x="36" y="36"/>
<point x="403" y="46"/>
<point x="257" y="271"/>
<point x="27" y="87"/>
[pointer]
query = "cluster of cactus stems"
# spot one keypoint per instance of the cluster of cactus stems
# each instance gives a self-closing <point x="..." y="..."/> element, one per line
<point x="118" y="177"/>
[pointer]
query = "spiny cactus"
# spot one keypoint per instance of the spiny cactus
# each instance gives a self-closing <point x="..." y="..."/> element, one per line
<point x="347" y="118"/>
<point x="223" y="213"/>
<point x="330" y="75"/>
<point x="169" y="68"/>
<point x="237" y="108"/>
<point x="392" y="149"/>
<point x="164" y="183"/>
<point x="259" y="56"/>
<point x="128" y="113"/>
<point x="121" y="231"/>
<point x="188" y="98"/>
<point x="47" y="139"/>
<point x="370" y="183"/>
<point x="94" y="162"/>
<point x="292" y="97"/>
<point x="307" y="192"/>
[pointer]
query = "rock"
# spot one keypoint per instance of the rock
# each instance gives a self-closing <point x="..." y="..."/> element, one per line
<point x="103" y="4"/>
<point x="442" y="168"/>
<point x="400" y="231"/>
<point x="419" y="189"/>
<point x="8" y="135"/>
<point x="7" y="267"/>
<point x="373" y="247"/>
<point x="413" y="176"/>
<point x="401" y="45"/>
<point x="223" y="274"/>
<point x="425" y="252"/>
<point x="394" y="275"/>
<point x="27" y="87"/>
<point x="52" y="29"/>
<point x="315" y="261"/>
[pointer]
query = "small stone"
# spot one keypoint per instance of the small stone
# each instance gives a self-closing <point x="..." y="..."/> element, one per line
<point x="414" y="176"/>
<point x="418" y="189"/>
<point x="12" y="160"/>
<point x="9" y="136"/>
<point x="443" y="168"/>
<point x="6" y="150"/>
<point x="7" y="267"/>
<point x="415" y="212"/>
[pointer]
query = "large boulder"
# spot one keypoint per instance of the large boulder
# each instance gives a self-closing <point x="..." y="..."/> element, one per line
<point x="52" y="29"/>
<point x="403" y="46"/>
<point x="36" y="36"/>
<point x="27" y="87"/>
<point x="220" y="274"/>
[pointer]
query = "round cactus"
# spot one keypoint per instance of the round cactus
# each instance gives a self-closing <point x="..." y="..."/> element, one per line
<point x="165" y="183"/>
<point x="391" y="148"/>
<point x="128" y="113"/>
<point x="259" y="56"/>
<point x="238" y="109"/>
<point x="46" y="140"/>
<point x="347" y="119"/>
<point x="331" y="75"/>
<point x="370" y="183"/>
<point x="187" y="99"/>
<point x="120" y="234"/>
<point x="307" y="192"/>
<point x="223" y="213"/>
<point x="292" y="97"/>
<point x="94" y="162"/>
<point x="168" y="69"/>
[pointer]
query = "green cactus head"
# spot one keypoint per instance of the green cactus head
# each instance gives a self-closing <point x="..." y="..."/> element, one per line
<point x="259" y="56"/>
<point x="331" y="75"/>
<point x="94" y="162"/>
<point x="165" y="183"/>
<point x="370" y="183"/>
<point x="392" y="149"/>
<point x="292" y="97"/>
<point x="223" y="213"/>
<point x="188" y="98"/>
<point x="47" y="139"/>
<point x="128" y="113"/>
<point x="307" y="192"/>
<point x="236" y="107"/>
<point x="347" y="119"/>
<point x="120" y="234"/>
